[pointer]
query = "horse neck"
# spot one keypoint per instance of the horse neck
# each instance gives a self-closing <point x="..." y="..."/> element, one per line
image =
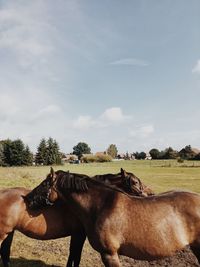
<point x="112" y="179"/>
<point x="148" y="190"/>
<point x="82" y="203"/>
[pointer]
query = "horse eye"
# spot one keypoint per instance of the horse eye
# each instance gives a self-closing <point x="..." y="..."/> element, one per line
<point x="45" y="184"/>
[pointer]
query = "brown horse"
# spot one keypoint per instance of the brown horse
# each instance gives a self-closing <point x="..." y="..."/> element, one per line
<point x="115" y="223"/>
<point x="126" y="181"/>
<point x="56" y="221"/>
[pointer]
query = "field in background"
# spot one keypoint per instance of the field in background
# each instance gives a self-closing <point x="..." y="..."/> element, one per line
<point x="159" y="175"/>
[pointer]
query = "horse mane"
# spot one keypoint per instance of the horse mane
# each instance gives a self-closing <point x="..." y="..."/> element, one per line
<point x="71" y="181"/>
<point x="80" y="182"/>
<point x="107" y="177"/>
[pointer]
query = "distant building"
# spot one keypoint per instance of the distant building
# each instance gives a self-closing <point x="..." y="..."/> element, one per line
<point x="195" y="150"/>
<point x="126" y="156"/>
<point x="148" y="156"/>
<point x="68" y="158"/>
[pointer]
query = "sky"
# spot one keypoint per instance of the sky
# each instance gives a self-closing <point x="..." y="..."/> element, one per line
<point x="101" y="72"/>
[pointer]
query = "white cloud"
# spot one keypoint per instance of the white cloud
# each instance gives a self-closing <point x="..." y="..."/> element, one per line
<point x="113" y="114"/>
<point x="131" y="62"/>
<point x="83" y="122"/>
<point x="110" y="117"/>
<point x="143" y="131"/>
<point x="146" y="130"/>
<point x="47" y="112"/>
<point x="196" y="68"/>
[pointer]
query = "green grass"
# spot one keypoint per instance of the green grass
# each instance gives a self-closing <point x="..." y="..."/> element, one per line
<point x="159" y="175"/>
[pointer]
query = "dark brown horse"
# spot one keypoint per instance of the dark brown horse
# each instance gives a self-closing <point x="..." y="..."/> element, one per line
<point x="56" y="221"/>
<point x="115" y="223"/>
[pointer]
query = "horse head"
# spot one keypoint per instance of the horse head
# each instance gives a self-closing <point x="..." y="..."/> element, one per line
<point x="50" y="189"/>
<point x="44" y="194"/>
<point x="133" y="185"/>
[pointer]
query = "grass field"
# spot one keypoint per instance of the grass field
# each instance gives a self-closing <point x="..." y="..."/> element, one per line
<point x="159" y="175"/>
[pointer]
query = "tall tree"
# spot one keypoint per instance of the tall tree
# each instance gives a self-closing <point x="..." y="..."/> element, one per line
<point x="1" y="154"/>
<point x="51" y="157"/>
<point x="112" y="151"/>
<point x="41" y="155"/>
<point x="14" y="153"/>
<point x="187" y="153"/>
<point x="48" y="152"/>
<point x="80" y="149"/>
<point x="7" y="151"/>
<point x="140" y="155"/>
<point x="58" y="155"/>
<point x="155" y="153"/>
<point x="170" y="153"/>
<point x="53" y="154"/>
<point x="27" y="157"/>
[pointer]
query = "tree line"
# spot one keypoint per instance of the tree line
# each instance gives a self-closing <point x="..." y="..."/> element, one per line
<point x="16" y="153"/>
<point x="186" y="153"/>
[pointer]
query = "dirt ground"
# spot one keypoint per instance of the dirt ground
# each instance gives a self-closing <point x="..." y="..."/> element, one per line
<point x="28" y="252"/>
<point x="181" y="259"/>
<point x="91" y="258"/>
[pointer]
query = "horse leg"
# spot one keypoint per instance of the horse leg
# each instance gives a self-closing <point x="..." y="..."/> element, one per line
<point x="110" y="260"/>
<point x="196" y="251"/>
<point x="5" y="249"/>
<point x="76" y="246"/>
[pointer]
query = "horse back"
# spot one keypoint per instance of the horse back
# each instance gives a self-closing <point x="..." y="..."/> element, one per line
<point x="11" y="198"/>
<point x="49" y="223"/>
<point x="153" y="222"/>
<point x="12" y="207"/>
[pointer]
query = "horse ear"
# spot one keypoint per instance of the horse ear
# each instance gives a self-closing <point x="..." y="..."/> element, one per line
<point x="24" y="198"/>
<point x="52" y="173"/>
<point x="123" y="173"/>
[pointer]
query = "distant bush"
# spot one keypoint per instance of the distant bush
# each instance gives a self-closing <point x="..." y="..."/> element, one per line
<point x="187" y="153"/>
<point x="197" y="157"/>
<point x="96" y="158"/>
<point x="104" y="158"/>
<point x="180" y="160"/>
<point x="112" y="151"/>
<point x="88" y="159"/>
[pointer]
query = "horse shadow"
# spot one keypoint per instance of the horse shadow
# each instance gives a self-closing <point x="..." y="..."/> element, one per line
<point x="22" y="262"/>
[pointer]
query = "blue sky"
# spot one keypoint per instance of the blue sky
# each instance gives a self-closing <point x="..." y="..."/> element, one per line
<point x="102" y="72"/>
